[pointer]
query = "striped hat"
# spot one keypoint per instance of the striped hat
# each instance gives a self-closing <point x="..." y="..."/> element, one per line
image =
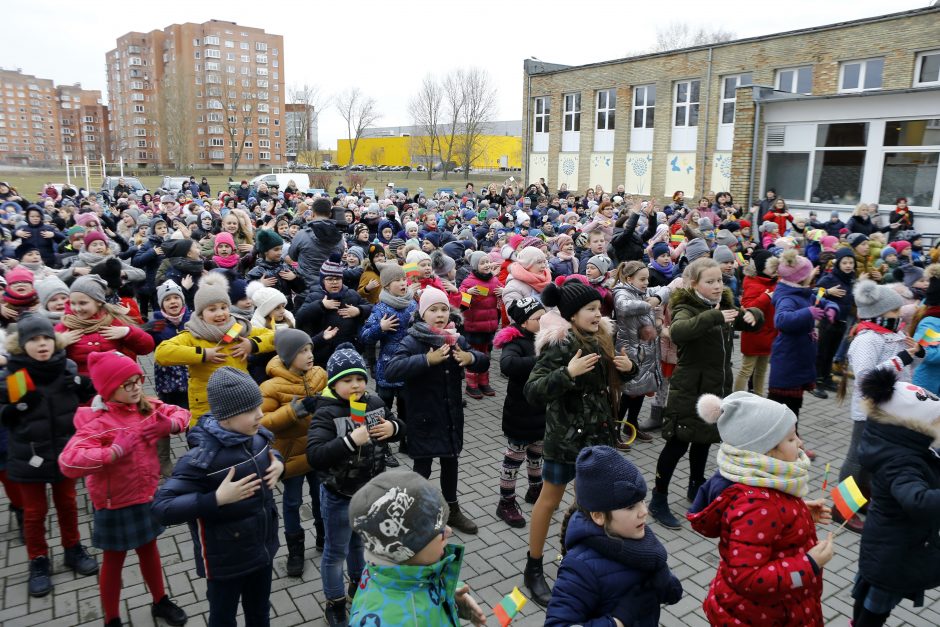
<point x="345" y="361"/>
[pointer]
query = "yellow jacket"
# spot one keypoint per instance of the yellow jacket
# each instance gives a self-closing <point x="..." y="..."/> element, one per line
<point x="187" y="350"/>
<point x="285" y="417"/>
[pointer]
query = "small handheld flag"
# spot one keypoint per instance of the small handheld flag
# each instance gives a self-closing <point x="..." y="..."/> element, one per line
<point x="465" y="299"/>
<point x="19" y="384"/>
<point x="509" y="607"/>
<point x="678" y="237"/>
<point x="484" y="291"/>
<point x="357" y="411"/>
<point x="411" y="270"/>
<point x="826" y="478"/>
<point x="928" y="338"/>
<point x="847" y="498"/>
<point x="232" y="333"/>
<point x="819" y="294"/>
<point x="741" y="260"/>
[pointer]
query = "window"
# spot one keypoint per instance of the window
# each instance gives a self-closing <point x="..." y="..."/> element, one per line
<point x="197" y="42"/>
<point x="787" y="172"/>
<point x="261" y="58"/>
<point x="842" y="135"/>
<point x="728" y="86"/>
<point x="243" y="45"/>
<point x="229" y="44"/>
<point x="264" y="143"/>
<point x="138" y="108"/>
<point x="927" y="69"/>
<point x="912" y="133"/>
<point x="911" y="175"/>
<point x="686" y="105"/>
<point x="212" y="66"/>
<point x="229" y="56"/>
<point x="796" y="80"/>
<point x="261" y="46"/>
<point x="213" y="54"/>
<point x="213" y="117"/>
<point x="264" y="155"/>
<point x="245" y="58"/>
<point x="606" y="106"/>
<point x="212" y="40"/>
<point x="572" y="112"/>
<point x="644" y="106"/>
<point x="216" y="141"/>
<point x="249" y="156"/>
<point x="861" y="75"/>
<point x="217" y="154"/>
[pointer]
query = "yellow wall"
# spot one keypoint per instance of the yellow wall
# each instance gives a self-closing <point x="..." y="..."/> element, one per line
<point x="398" y="151"/>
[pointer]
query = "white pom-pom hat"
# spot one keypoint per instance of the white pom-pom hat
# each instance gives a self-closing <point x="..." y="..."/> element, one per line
<point x="747" y="421"/>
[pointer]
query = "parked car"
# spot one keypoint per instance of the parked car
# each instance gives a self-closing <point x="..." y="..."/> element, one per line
<point x="173" y="184"/>
<point x="281" y="179"/>
<point x="110" y="182"/>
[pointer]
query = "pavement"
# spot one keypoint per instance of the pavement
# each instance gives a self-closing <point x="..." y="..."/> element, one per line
<point x="494" y="558"/>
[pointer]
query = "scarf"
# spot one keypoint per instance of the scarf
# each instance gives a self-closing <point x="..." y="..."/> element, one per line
<point x="646" y="554"/>
<point x="42" y="372"/>
<point x="53" y="316"/>
<point x="174" y="320"/>
<point x="23" y="302"/>
<point x="89" y="325"/>
<point x="187" y="265"/>
<point x="229" y="261"/>
<point x="919" y="293"/>
<point x="707" y="301"/>
<point x="878" y="325"/>
<point x="667" y="271"/>
<point x="537" y="281"/>
<point x="763" y="471"/>
<point x="423" y="332"/>
<point x="201" y="329"/>
<point x="90" y="259"/>
<point x="483" y="277"/>
<point x="396" y="302"/>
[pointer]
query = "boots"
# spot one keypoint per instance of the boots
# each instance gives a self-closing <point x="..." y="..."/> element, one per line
<point x="390" y="460"/>
<point x="114" y="622"/>
<point x="169" y="612"/>
<point x="819" y="391"/>
<point x="40" y="580"/>
<point x="163" y="454"/>
<point x="473" y="383"/>
<point x="483" y="381"/>
<point x="532" y="494"/>
<point x="335" y="613"/>
<point x="694" y="485"/>
<point x="659" y="510"/>
<point x="321" y="535"/>
<point x="295" y="553"/>
<point x="78" y="559"/>
<point x="656" y="418"/>
<point x="459" y="521"/>
<point x="351" y="591"/>
<point x="508" y="512"/>
<point x="534" y="578"/>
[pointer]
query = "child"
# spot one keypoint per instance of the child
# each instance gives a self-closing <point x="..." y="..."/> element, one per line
<point x="96" y="250"/>
<point x="597" y="272"/>
<point x="344" y="451"/>
<point x="224" y="489"/>
<point x="370" y="283"/>
<point x="725" y="260"/>
<point x="578" y="379"/>
<point x="115" y="448"/>
<point x="523" y="423"/>
<point x="927" y="317"/>
<point x="760" y="280"/>
<point x="202" y="347"/>
<point x="445" y="269"/>
<point x="293" y="380"/>
<point x="430" y="362"/>
<point x="426" y="277"/>
<point x="898" y="557"/>
<point x="481" y="317"/>
<point x="183" y="265"/>
<point x="662" y="268"/>
<point x="30" y="258"/>
<point x="53" y="296"/>
<point x="770" y="233"/>
<point x="614" y="568"/>
<point x="837" y="285"/>
<point x="94" y="326"/>
<point x="528" y="275"/>
<point x="19" y="295"/>
<point x="270" y="312"/>
<point x="40" y="424"/>
<point x="704" y="319"/>
<point x="272" y="271"/>
<point x="771" y="562"/>
<point x="225" y="256"/>
<point x="412" y="573"/>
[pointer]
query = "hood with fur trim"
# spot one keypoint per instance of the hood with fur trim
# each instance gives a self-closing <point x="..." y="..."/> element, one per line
<point x="686" y="297"/>
<point x="506" y="335"/>
<point x="554" y="329"/>
<point x="890" y="401"/>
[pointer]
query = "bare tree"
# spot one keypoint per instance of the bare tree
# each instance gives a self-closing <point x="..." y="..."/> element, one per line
<point x="175" y="120"/>
<point x="313" y="101"/>
<point x="479" y="107"/>
<point x="425" y="110"/>
<point x="678" y="35"/>
<point x="359" y="112"/>
<point x="237" y="111"/>
<point x="451" y="118"/>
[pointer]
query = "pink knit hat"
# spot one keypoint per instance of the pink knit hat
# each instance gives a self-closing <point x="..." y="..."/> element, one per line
<point x="19" y="274"/>
<point x="223" y="238"/>
<point x="95" y="236"/>
<point x="794" y="268"/>
<point x="829" y="243"/>
<point x="111" y="370"/>
<point x="431" y="296"/>
<point x="530" y="256"/>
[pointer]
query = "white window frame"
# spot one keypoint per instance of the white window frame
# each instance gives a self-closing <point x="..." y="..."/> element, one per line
<point x="645" y="107"/>
<point x="686" y="104"/>
<point x="571" y="117"/>
<point x="791" y="88"/>
<point x="726" y="99"/>
<point x="918" y="65"/>
<point x="541" y="116"/>
<point x="212" y="53"/>
<point x="608" y="111"/>
<point x="862" y="74"/>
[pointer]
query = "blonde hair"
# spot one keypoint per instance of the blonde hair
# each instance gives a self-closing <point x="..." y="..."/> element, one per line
<point x="694" y="271"/>
<point x="859" y="207"/>
<point x="627" y="269"/>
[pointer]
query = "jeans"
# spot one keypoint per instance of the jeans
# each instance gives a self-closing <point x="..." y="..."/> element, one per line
<point x="254" y="589"/>
<point x="342" y="545"/>
<point x="293" y="497"/>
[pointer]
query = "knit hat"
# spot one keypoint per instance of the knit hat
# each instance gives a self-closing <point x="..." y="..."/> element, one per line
<point x="530" y="256"/>
<point x="455" y="250"/>
<point x="769" y="227"/>
<point x="761" y="258"/>
<point x="49" y="287"/>
<point x="431" y="296"/>
<point x="829" y="242"/>
<point x="834" y="214"/>
<point x="705" y="224"/>
<point x="397" y="514"/>
<point x="747" y="421"/>
<point x="932" y="297"/>
<point x="266" y="239"/>
<point x="110" y="370"/>
<point x="888" y="251"/>
<point x="725" y="238"/>
<point x="94" y="236"/>
<point x="845" y="251"/>
<point x="417" y="256"/>
<point x="696" y="248"/>
<point x="213" y="288"/>
<point x="177" y="248"/>
<point x="794" y="268"/>
<point x="909" y="274"/>
<point x="570" y="297"/>
<point x="900" y="403"/>
<point x="375" y="249"/>
<point x="332" y="267"/>
<point x="475" y="258"/>
<point x="289" y="342"/>
<point x="394" y="245"/>
<point x="601" y="262"/>
<point x="606" y="481"/>
<point x="266" y="299"/>
<point x="357" y="252"/>
<point x="23" y="249"/>
<point x="345" y="361"/>
<point x="390" y="272"/>
<point x="854" y="239"/>
<point x="522" y="309"/>
<point x="237" y="289"/>
<point x="660" y="248"/>
<point x="30" y="325"/>
<point x="169" y="288"/>
<point x="19" y="274"/>
<point x="528" y="242"/>
<point x="231" y="392"/>
<point x="899" y="245"/>
<point x="873" y="300"/>
<point x="441" y="264"/>
<point x="223" y="238"/>
<point x="722" y="254"/>
<point x="92" y="286"/>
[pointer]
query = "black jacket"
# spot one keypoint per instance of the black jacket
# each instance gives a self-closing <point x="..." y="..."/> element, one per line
<point x="521" y="419"/>
<point x="341" y="466"/>
<point x="627" y="245"/>
<point x="147" y="259"/>
<point x="314" y="318"/>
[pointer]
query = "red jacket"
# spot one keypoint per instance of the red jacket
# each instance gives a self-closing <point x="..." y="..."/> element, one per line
<point x="754" y="294"/>
<point x="482" y="316"/>
<point x="132" y="478"/>
<point x="781" y="219"/>
<point x="137" y="342"/>
<point x="764" y="576"/>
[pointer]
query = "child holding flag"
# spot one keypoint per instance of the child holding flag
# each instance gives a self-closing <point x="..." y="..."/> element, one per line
<point x="480" y="292"/>
<point x="926" y="329"/>
<point x="342" y="446"/>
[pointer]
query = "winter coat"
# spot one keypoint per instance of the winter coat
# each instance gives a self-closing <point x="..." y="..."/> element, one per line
<point x="482" y="316"/>
<point x="45" y="245"/>
<point x="313" y="245"/>
<point x="754" y="293"/>
<point x="90" y="260"/>
<point x="167" y="378"/>
<point x="793" y="355"/>
<point x="266" y="269"/>
<point x="837" y="279"/>
<point x="871" y="349"/>
<point x="705" y="345"/>
<point x="136" y="342"/>
<point x="176" y="272"/>
<point x="578" y="411"/>
<point x="900" y="548"/>
<point x="368" y="275"/>
<point x="284" y="413"/>
<point x="927" y="373"/>
<point x="780" y="219"/>
<point x="433" y="396"/>
<point x="147" y="259"/>
<point x="637" y="332"/>
<point x="764" y="576"/>
<point x="399" y="595"/>
<point x="388" y="340"/>
<point x="41" y="423"/>
<point x="598" y="572"/>
<point x="188" y="350"/>
<point x="341" y="466"/>
<point x="521" y="419"/>
<point x="562" y="267"/>
<point x="314" y="318"/>
<point x="132" y="478"/>
<point x="516" y="290"/>
<point x="858" y="224"/>
<point x="833" y="228"/>
<point x="626" y="245"/>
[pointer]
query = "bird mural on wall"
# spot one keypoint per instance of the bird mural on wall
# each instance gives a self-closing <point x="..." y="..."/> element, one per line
<point x="675" y="164"/>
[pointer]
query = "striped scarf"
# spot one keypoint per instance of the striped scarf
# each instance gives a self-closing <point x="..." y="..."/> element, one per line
<point x="763" y="471"/>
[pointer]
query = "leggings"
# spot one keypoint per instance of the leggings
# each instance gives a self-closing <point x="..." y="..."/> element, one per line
<point x="669" y="458"/>
<point x="830" y="336"/>
<point x="630" y="407"/>
<point x="110" y="577"/>
<point x="863" y="617"/>
<point x="795" y="403"/>
<point x="422" y="466"/>
<point x="516" y="451"/>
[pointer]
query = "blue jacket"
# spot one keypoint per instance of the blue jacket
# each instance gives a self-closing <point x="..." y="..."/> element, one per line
<point x="602" y="577"/>
<point x="563" y="267"/>
<point x="45" y="246"/>
<point x="229" y="540"/>
<point x="927" y="373"/>
<point x="836" y="278"/>
<point x="389" y="340"/>
<point x="168" y="378"/>
<point x="793" y="353"/>
<point x="147" y="259"/>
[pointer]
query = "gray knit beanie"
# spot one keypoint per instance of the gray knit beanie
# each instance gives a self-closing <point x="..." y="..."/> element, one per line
<point x="169" y="288"/>
<point x="475" y="258"/>
<point x="213" y="288"/>
<point x="91" y="285"/>
<point x="231" y="392"/>
<point x="49" y="287"/>
<point x="722" y="254"/>
<point x="747" y="421"/>
<point x="390" y="272"/>
<point x="289" y="342"/>
<point x="726" y="238"/>
<point x="696" y="248"/>
<point x="33" y="325"/>
<point x="441" y="263"/>
<point x="874" y="301"/>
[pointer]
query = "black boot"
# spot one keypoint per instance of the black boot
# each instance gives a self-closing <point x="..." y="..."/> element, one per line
<point x="694" y="485"/>
<point x="40" y="581"/>
<point x="351" y="591"/>
<point x="659" y="510"/>
<point x="169" y="611"/>
<point x="390" y="460"/>
<point x="534" y="578"/>
<point x="295" y="553"/>
<point x="78" y="559"/>
<point x="459" y="521"/>
<point x="321" y="535"/>
<point x="335" y="613"/>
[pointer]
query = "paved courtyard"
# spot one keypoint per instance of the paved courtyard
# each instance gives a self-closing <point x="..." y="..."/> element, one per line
<point x="494" y="558"/>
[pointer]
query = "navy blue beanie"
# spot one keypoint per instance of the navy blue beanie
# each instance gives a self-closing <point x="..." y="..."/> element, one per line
<point x="605" y="480"/>
<point x="660" y="248"/>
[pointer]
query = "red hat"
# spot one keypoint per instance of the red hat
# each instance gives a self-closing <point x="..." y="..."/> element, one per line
<point x="843" y="231"/>
<point x="21" y="274"/>
<point x="899" y="245"/>
<point x="745" y="224"/>
<point x="92" y="236"/>
<point x="111" y="370"/>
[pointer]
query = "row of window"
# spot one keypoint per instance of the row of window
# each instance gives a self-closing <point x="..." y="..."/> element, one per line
<point x="213" y="40"/>
<point x="218" y="155"/>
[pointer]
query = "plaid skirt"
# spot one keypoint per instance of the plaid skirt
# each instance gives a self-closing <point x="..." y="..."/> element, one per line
<point x="124" y="529"/>
<point x="558" y="473"/>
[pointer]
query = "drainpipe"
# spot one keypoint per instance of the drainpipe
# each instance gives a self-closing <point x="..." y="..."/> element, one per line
<point x="708" y="97"/>
<point x="750" y="183"/>
<point x="528" y="101"/>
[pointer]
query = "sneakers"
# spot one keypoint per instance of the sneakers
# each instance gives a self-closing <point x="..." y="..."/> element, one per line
<point x="659" y="510"/>
<point x="643" y="436"/>
<point x="508" y="512"/>
<point x="487" y="390"/>
<point x="78" y="559"/>
<point x="335" y="613"/>
<point x="532" y="494"/>
<point x="40" y="581"/>
<point x="169" y="611"/>
<point x="459" y="521"/>
<point x="819" y="392"/>
<point x="534" y="578"/>
<point x="390" y="460"/>
<point x="474" y="393"/>
<point x="295" y="553"/>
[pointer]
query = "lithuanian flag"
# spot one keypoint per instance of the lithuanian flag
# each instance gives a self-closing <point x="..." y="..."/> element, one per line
<point x="465" y="299"/>
<point x="357" y="411"/>
<point x="232" y="333"/>
<point x="847" y="498"/>
<point x="19" y="384"/>
<point x="411" y="270"/>
<point x="509" y="607"/>
<point x="484" y="291"/>
<point x="928" y="338"/>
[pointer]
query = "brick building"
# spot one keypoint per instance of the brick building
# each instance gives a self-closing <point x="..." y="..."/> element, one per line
<point x="84" y="124"/>
<point x="843" y="112"/>
<point x="301" y="129"/>
<point x="204" y="95"/>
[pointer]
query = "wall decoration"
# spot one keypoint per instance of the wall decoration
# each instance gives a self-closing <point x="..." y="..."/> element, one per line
<point x="639" y="177"/>
<point x="680" y="173"/>
<point x="602" y="170"/>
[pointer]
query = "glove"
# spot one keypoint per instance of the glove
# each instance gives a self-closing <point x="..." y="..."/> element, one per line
<point x="816" y="312"/>
<point x="668" y="588"/>
<point x="310" y="404"/>
<point x="155" y="428"/>
<point x="155" y="326"/>
<point x="831" y="313"/>
<point x="123" y="443"/>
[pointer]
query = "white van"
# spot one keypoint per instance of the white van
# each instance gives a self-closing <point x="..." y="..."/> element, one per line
<point x="301" y="180"/>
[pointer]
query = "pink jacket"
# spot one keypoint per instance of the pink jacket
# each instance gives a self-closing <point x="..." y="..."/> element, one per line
<point x="132" y="478"/>
<point x="137" y="342"/>
<point x="482" y="316"/>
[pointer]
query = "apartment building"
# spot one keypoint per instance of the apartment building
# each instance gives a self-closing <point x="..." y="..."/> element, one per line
<point x="29" y="120"/>
<point x="302" y="130"/>
<point x="829" y="116"/>
<point x="207" y="95"/>
<point x="83" y="120"/>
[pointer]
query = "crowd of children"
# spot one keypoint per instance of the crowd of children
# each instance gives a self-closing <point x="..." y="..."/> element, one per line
<point x="296" y="339"/>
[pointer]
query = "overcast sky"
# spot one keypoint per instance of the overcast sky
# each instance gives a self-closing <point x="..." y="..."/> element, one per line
<point x="385" y="47"/>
